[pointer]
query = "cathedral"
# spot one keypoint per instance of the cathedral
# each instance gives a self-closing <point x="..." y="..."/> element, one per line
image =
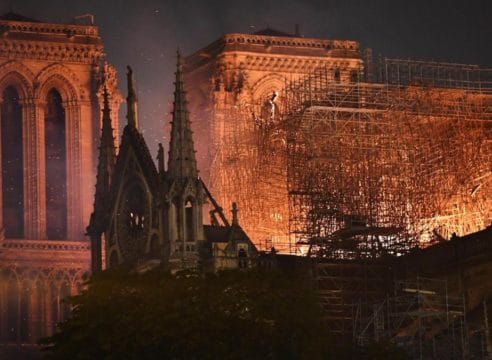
<point x="59" y="104"/>
<point x="149" y="216"/>
<point x="73" y="201"/>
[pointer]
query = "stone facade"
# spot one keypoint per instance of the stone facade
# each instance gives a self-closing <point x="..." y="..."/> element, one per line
<point x="51" y="80"/>
<point x="238" y="91"/>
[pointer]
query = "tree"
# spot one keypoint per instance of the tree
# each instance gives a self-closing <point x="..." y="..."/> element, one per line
<point x="255" y="314"/>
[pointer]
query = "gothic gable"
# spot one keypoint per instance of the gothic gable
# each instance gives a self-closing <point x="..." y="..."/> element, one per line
<point x="133" y="143"/>
<point x="133" y="192"/>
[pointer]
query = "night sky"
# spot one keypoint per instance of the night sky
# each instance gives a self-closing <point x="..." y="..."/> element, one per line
<point x="145" y="33"/>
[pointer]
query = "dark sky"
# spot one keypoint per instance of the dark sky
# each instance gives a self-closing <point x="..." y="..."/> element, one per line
<point x="145" y="33"/>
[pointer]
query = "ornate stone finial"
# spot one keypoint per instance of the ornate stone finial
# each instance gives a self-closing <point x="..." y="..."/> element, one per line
<point x="234" y="214"/>
<point x="131" y="100"/>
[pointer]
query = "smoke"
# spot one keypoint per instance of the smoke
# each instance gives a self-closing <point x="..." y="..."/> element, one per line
<point x="145" y="34"/>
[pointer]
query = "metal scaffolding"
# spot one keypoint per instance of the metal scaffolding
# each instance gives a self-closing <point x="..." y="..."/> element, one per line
<point x="341" y="284"/>
<point x="421" y="317"/>
<point x="377" y="169"/>
<point x="346" y="169"/>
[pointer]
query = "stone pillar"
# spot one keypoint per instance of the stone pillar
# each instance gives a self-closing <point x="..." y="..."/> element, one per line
<point x="48" y="326"/>
<point x="89" y="143"/>
<point x="33" y="312"/>
<point x="34" y="157"/>
<point x="34" y="180"/>
<point x="73" y="160"/>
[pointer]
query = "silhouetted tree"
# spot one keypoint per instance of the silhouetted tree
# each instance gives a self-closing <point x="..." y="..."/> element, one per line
<point x="251" y="314"/>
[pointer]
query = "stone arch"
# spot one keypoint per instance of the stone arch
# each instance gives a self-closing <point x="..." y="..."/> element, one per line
<point x="266" y="85"/>
<point x="61" y="84"/>
<point x="10" y="299"/>
<point x="11" y="273"/>
<point x="132" y="183"/>
<point x="35" y="275"/>
<point x="79" y="281"/>
<point x="58" y="286"/>
<point x="16" y="74"/>
<point x="62" y="79"/>
<point x="267" y="98"/>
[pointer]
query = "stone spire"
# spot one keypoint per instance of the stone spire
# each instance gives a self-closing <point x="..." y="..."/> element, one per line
<point x="107" y="151"/>
<point x="131" y="101"/>
<point x="182" y="161"/>
<point x="107" y="156"/>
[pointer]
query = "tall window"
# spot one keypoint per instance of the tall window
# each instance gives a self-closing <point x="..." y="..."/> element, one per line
<point x="190" y="234"/>
<point x="56" y="172"/>
<point x="336" y="75"/>
<point x="12" y="167"/>
<point x="354" y="76"/>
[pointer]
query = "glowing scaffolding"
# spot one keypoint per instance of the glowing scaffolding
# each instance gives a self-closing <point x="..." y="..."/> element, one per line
<point x="361" y="169"/>
<point x="376" y="169"/>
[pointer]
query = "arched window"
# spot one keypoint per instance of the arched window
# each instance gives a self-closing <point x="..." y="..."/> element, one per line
<point x="189" y="223"/>
<point x="354" y="76"/>
<point x="56" y="173"/>
<point x="336" y="75"/>
<point x="12" y="164"/>
<point x="64" y="306"/>
<point x="133" y="222"/>
<point x="60" y="309"/>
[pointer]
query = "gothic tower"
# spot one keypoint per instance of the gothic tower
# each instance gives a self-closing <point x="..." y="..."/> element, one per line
<point x="51" y="91"/>
<point x="237" y="94"/>
<point x="183" y="189"/>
